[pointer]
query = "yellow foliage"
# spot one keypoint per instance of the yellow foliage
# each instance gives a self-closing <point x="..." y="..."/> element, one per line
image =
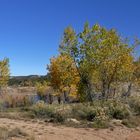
<point x="4" y="72"/>
<point x="64" y="74"/>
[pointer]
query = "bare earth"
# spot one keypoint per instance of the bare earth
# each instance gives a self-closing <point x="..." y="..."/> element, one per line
<point x="44" y="131"/>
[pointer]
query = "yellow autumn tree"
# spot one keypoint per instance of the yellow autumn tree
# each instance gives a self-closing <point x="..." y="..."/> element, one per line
<point x="137" y="72"/>
<point x="64" y="76"/>
<point x="4" y="72"/>
<point x="102" y="57"/>
<point x="107" y="56"/>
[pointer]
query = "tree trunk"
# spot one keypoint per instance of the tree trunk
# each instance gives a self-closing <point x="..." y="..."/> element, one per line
<point x="114" y="92"/>
<point x="66" y="98"/>
<point x="108" y="90"/>
<point x="103" y="90"/>
<point x="89" y="92"/>
<point x="86" y="89"/>
<point x="59" y="99"/>
<point x="50" y="99"/>
<point x="128" y="93"/>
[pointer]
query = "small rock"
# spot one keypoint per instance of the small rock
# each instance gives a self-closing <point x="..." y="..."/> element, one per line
<point x="73" y="120"/>
<point x="111" y="128"/>
<point x="138" y="129"/>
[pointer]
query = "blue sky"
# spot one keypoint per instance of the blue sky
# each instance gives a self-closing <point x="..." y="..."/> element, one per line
<point x="31" y="30"/>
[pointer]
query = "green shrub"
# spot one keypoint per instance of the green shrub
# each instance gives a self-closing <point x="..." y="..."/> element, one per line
<point x="132" y="121"/>
<point x="101" y="124"/>
<point x="59" y="117"/>
<point x="118" y="110"/>
<point x="43" y="110"/>
<point x="40" y="109"/>
<point x="101" y="119"/>
<point x="83" y="112"/>
<point x="134" y="103"/>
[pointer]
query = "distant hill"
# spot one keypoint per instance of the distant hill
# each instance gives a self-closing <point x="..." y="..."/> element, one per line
<point x="27" y="80"/>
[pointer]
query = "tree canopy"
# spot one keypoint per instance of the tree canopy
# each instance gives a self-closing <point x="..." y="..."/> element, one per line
<point x="102" y="57"/>
<point x="64" y="75"/>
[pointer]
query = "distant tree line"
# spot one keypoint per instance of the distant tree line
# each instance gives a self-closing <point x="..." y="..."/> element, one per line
<point x="26" y="81"/>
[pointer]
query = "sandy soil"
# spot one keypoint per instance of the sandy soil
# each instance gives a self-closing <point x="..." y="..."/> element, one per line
<point x="44" y="131"/>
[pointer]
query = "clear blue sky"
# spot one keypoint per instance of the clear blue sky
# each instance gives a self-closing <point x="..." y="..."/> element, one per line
<point x="30" y="30"/>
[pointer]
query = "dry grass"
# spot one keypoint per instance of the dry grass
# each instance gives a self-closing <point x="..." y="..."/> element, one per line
<point x="6" y="134"/>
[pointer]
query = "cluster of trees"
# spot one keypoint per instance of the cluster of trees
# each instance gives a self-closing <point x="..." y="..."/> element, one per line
<point x="96" y="60"/>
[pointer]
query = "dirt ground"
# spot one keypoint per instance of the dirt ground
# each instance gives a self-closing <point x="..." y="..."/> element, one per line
<point x="45" y="131"/>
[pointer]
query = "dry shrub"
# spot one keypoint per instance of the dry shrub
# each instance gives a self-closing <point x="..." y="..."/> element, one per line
<point x="16" y="132"/>
<point x="12" y="101"/>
